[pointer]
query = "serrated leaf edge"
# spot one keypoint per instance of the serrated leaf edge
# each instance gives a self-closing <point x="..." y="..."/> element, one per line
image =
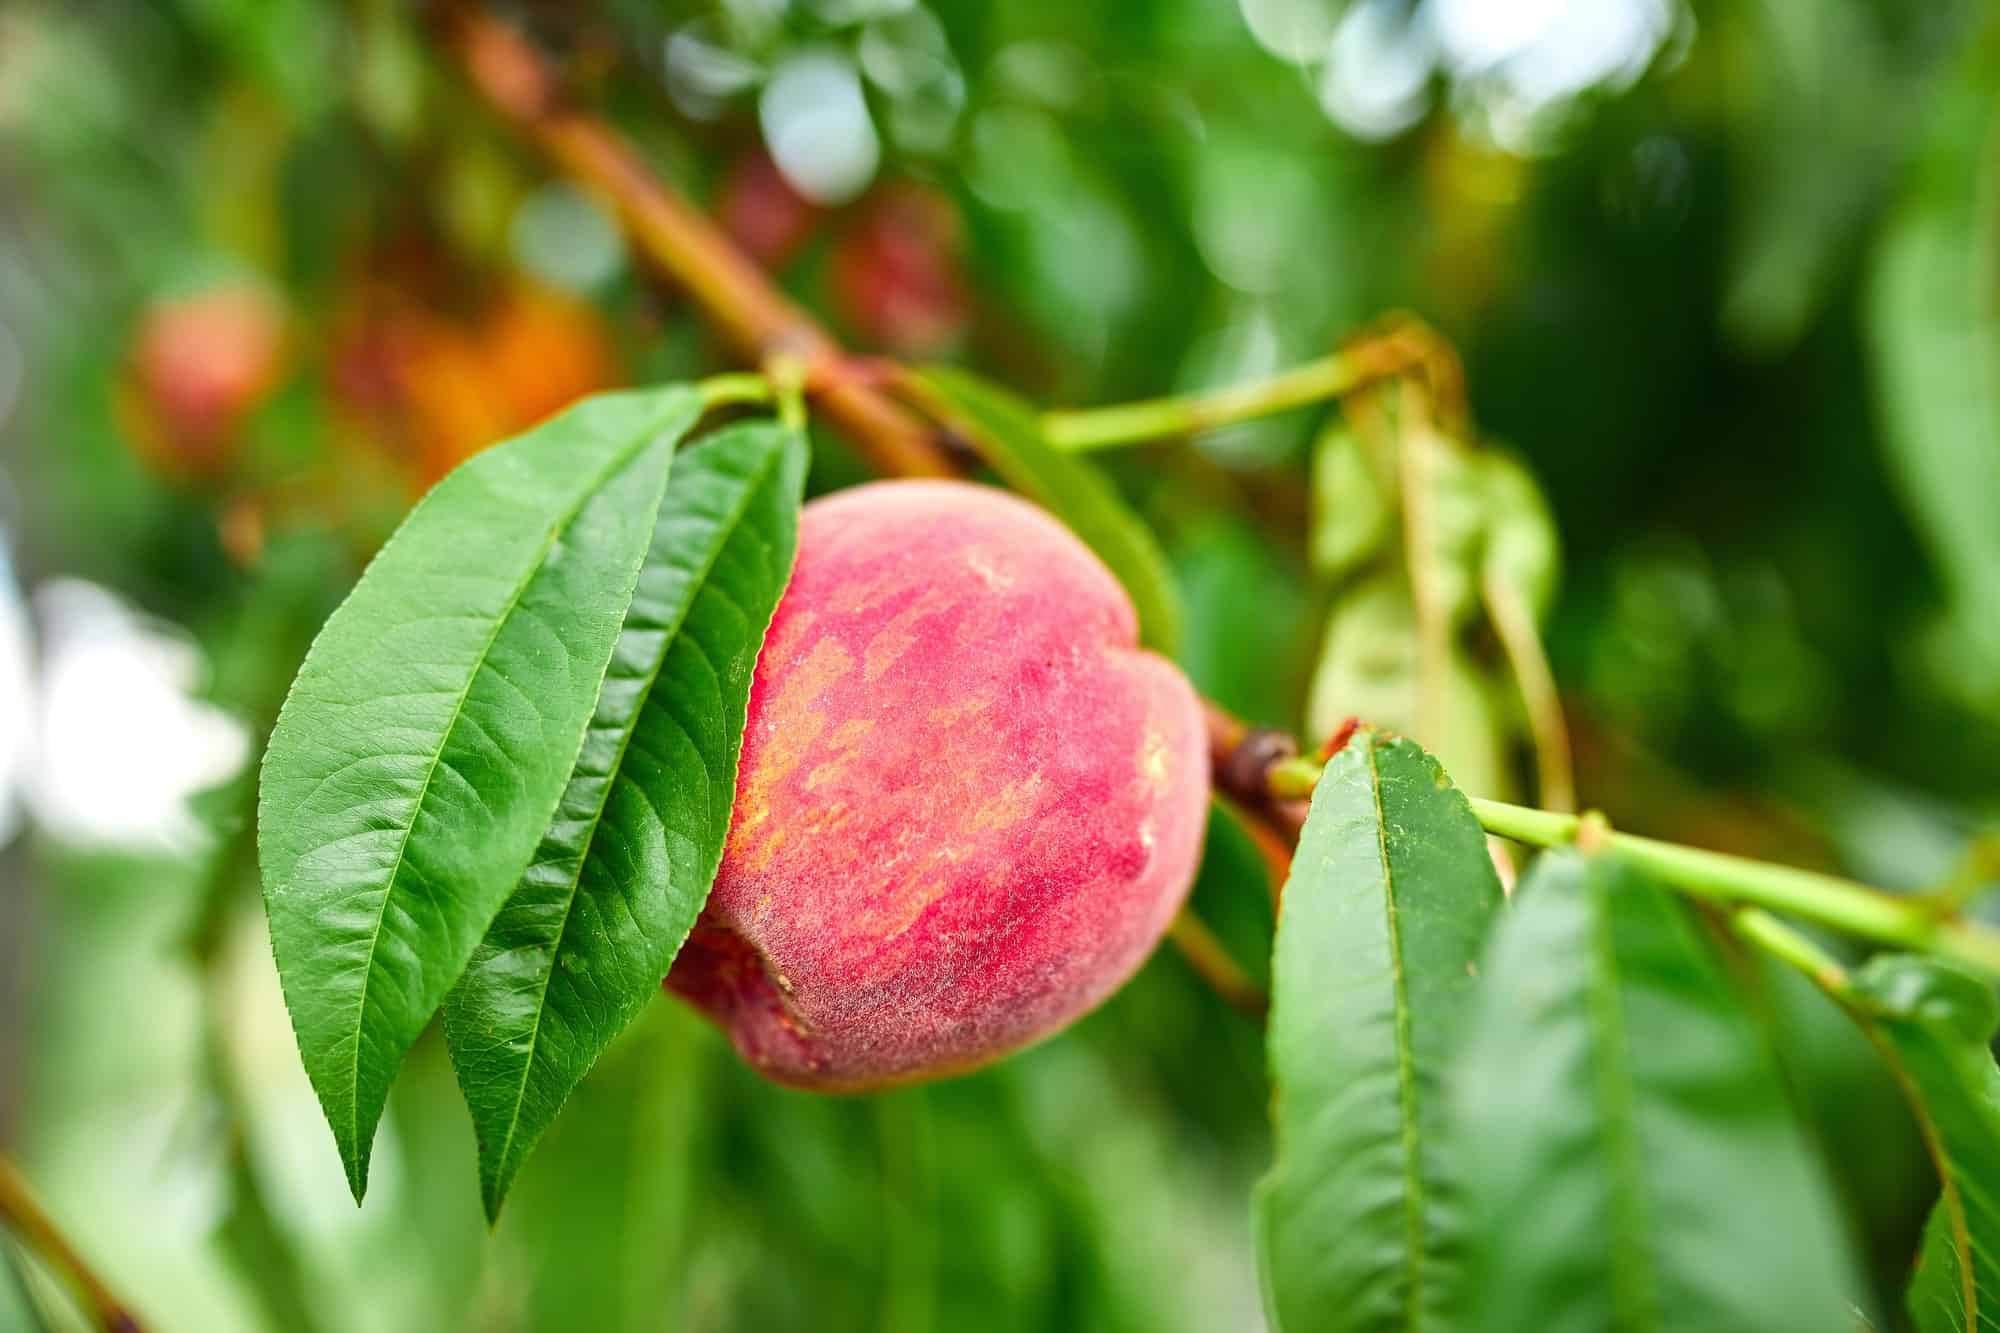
<point x="354" y="1155"/>
<point x="503" y="1177"/>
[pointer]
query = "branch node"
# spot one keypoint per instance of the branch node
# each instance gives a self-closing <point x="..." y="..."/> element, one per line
<point x="1248" y="765"/>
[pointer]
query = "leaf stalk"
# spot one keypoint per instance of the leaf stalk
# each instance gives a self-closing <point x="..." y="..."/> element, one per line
<point x="1400" y="345"/>
<point x="1829" y="899"/>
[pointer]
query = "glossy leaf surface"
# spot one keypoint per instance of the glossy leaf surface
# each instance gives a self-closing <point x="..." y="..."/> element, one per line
<point x="1631" y="1158"/>
<point x="1388" y="903"/>
<point x="433" y="726"/>
<point x="625" y="866"/>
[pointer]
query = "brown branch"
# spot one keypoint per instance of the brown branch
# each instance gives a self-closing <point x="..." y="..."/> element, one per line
<point x="1241" y="758"/>
<point x="23" y="1215"/>
<point x="1213" y="963"/>
<point x="760" y="322"/>
<point x="681" y="242"/>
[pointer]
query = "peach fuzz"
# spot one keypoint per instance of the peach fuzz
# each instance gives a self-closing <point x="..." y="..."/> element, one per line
<point x="968" y="805"/>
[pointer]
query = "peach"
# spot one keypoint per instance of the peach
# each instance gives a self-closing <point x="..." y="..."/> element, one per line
<point x="968" y="806"/>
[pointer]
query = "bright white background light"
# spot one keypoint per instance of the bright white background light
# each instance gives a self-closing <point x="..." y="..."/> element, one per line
<point x="1515" y="63"/>
<point x="816" y="125"/>
<point x="120" y="744"/>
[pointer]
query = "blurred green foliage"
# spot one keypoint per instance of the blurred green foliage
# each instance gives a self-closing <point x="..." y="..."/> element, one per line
<point x="268" y="269"/>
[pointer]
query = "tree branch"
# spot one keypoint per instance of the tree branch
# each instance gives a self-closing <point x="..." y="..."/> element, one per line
<point x="757" y="319"/>
<point x="24" y="1216"/>
<point x="1241" y="758"/>
<point x="761" y="322"/>
<point x="1212" y="962"/>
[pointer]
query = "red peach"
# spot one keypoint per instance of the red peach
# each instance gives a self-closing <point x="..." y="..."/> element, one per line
<point x="201" y="366"/>
<point x="968" y="807"/>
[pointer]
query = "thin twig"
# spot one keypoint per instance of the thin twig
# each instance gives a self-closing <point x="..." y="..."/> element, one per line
<point x="766" y="327"/>
<point x="1241" y="758"/>
<point x="24" y="1216"/>
<point x="681" y="241"/>
<point x="1841" y="903"/>
<point x="1514" y="623"/>
<point x="1790" y="946"/>
<point x="686" y="247"/>
<point x="1189" y="414"/>
<point x="1214" y="964"/>
<point x="1398" y="345"/>
<point x="1416" y="443"/>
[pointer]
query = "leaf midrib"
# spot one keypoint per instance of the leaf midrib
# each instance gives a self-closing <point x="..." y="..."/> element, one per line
<point x="670" y="634"/>
<point x="554" y="534"/>
<point x="1413" y="1182"/>
<point x="1949" y="1195"/>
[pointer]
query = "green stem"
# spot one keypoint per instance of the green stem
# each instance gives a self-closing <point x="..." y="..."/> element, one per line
<point x="1190" y="414"/>
<point x="1294" y="778"/>
<point x="1514" y="624"/>
<point x="1416" y="443"/>
<point x="735" y="388"/>
<point x="786" y="375"/>
<point x="1828" y="899"/>
<point x="1792" y="946"/>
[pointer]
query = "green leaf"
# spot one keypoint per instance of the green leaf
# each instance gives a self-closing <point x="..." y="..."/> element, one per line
<point x="1850" y="1101"/>
<point x="1933" y="1023"/>
<point x="1008" y="435"/>
<point x="1630" y="1158"/>
<point x="1353" y="502"/>
<point x="1816" y="133"/>
<point x="1523" y="548"/>
<point x="1369" y="667"/>
<point x="1389" y="900"/>
<point x="1936" y="347"/>
<point x="626" y="865"/>
<point x="433" y="726"/>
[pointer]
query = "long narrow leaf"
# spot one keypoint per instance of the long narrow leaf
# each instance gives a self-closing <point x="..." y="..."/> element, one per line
<point x="1934" y="1025"/>
<point x="1389" y="900"/>
<point x="433" y="725"/>
<point x="1935" y="329"/>
<point x="627" y="862"/>
<point x="1630" y="1157"/>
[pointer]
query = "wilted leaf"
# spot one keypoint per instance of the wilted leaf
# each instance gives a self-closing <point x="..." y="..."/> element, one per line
<point x="624" y="868"/>
<point x="1522" y="547"/>
<point x="1388" y="903"/>
<point x="1354" y="504"/>
<point x="1933" y="1023"/>
<point x="433" y="726"/>
<point x="1630" y="1158"/>
<point x="1368" y="667"/>
<point x="1008" y="435"/>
